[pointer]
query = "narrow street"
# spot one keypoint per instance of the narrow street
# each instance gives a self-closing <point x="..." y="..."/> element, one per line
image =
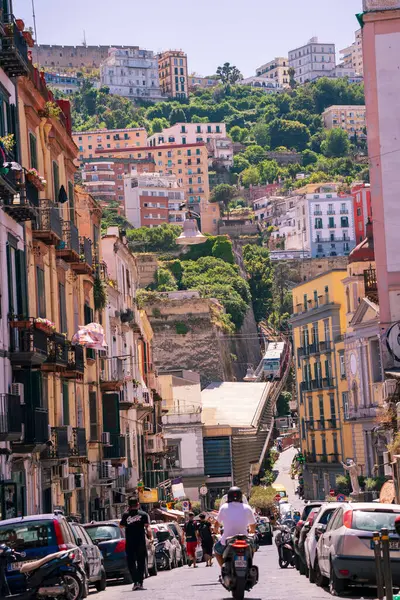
<point x="191" y="584"/>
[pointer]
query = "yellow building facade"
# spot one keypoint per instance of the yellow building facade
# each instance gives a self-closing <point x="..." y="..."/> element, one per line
<point x="319" y="324"/>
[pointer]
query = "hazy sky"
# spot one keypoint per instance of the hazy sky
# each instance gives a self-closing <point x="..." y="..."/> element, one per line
<point x="246" y="33"/>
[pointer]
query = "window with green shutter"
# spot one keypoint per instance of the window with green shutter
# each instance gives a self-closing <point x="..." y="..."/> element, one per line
<point x="111" y="421"/>
<point x="63" y="308"/>
<point x="65" y="402"/>
<point x="33" y="151"/>
<point x="41" y="293"/>
<point x="71" y="201"/>
<point x="88" y="314"/>
<point x="94" y="429"/>
<point x="56" y="180"/>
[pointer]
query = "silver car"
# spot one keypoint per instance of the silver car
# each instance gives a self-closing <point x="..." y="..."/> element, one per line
<point x="345" y="553"/>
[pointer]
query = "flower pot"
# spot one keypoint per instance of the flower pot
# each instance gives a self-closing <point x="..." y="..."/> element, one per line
<point x="34" y="180"/>
<point x="20" y="324"/>
<point x="44" y="327"/>
<point x="30" y="42"/>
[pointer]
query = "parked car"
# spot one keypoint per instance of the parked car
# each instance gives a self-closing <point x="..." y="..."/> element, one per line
<point x="166" y="547"/>
<point x="264" y="531"/>
<point x="35" y="537"/>
<point x="92" y="558"/>
<point x="300" y="547"/>
<point x="345" y="553"/>
<point x="308" y="508"/>
<point x="321" y="520"/>
<point x="110" y="538"/>
<point x="179" y="535"/>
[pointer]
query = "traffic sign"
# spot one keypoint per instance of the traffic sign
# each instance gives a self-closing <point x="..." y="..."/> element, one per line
<point x="277" y="498"/>
<point x="203" y="490"/>
<point x="332" y="492"/>
<point x="186" y="506"/>
<point x="341" y="498"/>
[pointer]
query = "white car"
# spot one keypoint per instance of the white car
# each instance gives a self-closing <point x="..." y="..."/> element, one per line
<point x="321" y="520"/>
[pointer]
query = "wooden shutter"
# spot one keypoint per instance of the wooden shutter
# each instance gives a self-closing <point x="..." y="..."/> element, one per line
<point x="65" y="402"/>
<point x="56" y="180"/>
<point x="94" y="430"/>
<point x="11" y="307"/>
<point x="111" y="412"/>
<point x="71" y="199"/>
<point x="22" y="287"/>
<point x="63" y="308"/>
<point x="33" y="151"/>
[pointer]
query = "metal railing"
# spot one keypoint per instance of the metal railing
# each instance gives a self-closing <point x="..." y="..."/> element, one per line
<point x="14" y="52"/>
<point x="57" y="350"/>
<point x="76" y="361"/>
<point x="117" y="447"/>
<point x="70" y="237"/>
<point x="10" y="417"/>
<point x="48" y="218"/>
<point x="36" y="425"/>
<point x="28" y="339"/>
<point x="60" y="444"/>
<point x="86" y="251"/>
<point x="79" y="447"/>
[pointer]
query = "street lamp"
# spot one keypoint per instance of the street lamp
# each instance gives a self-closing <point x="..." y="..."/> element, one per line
<point x="190" y="234"/>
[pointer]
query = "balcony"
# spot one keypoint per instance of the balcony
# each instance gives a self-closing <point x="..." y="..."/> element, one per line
<point x="75" y="363"/>
<point x="10" y="418"/>
<point x="36" y="430"/>
<point x="28" y="345"/>
<point x="317" y="384"/>
<point x="371" y="284"/>
<point x="14" y="50"/>
<point x="322" y="301"/>
<point x="112" y="377"/>
<point x="19" y="201"/>
<point x="47" y="227"/>
<point x="322" y="424"/>
<point x="153" y="478"/>
<point x="85" y="263"/>
<point x="78" y="446"/>
<point x="312" y="457"/>
<point x="331" y="212"/>
<point x="363" y="412"/>
<point x="57" y="356"/>
<point x="117" y="448"/>
<point x="318" y="212"/>
<point x="60" y="448"/>
<point x="68" y="247"/>
<point x="344" y="211"/>
<point x="126" y="401"/>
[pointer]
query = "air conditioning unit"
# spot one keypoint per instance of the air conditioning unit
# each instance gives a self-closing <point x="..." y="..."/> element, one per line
<point x="106" y="438"/>
<point x="63" y="470"/>
<point x="79" y="481"/>
<point x="69" y="434"/>
<point x="68" y="484"/>
<point x="389" y="389"/>
<point x="18" y="390"/>
<point x="105" y="469"/>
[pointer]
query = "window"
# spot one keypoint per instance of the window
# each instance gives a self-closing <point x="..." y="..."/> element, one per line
<point x="345" y="401"/>
<point x="318" y="223"/>
<point x="317" y="210"/>
<point x="330" y="209"/>
<point x="323" y="440"/>
<point x="17" y="278"/>
<point x="331" y="223"/>
<point x="56" y="180"/>
<point x="33" y="151"/>
<point x="342" y="366"/>
<point x="41" y="293"/>
<point x="71" y="201"/>
<point x="358" y="212"/>
<point x="332" y="406"/>
<point x="321" y="407"/>
<point x="375" y="361"/>
<point x="344" y="221"/>
<point x="94" y="430"/>
<point x="62" y="308"/>
<point x="65" y="402"/>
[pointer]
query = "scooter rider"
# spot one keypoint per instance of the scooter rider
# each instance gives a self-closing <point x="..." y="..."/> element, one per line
<point x="237" y="519"/>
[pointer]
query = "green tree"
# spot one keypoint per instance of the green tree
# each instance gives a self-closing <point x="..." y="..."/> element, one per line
<point x="250" y="176"/>
<point x="254" y="154"/>
<point x="146" y="239"/>
<point x="283" y="406"/>
<point x="238" y="134"/>
<point x="336" y="143"/>
<point x="309" y="157"/>
<point x="292" y="81"/>
<point x="240" y="163"/>
<point x="257" y="263"/>
<point x="229" y="74"/>
<point x="269" y="170"/>
<point x="177" y="115"/>
<point x="158" y="124"/>
<point x="261" y="134"/>
<point x="165" y="281"/>
<point x="223" y="193"/>
<point x="291" y="134"/>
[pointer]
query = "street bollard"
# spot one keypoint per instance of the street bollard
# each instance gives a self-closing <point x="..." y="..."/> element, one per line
<point x="378" y="564"/>
<point x="387" y="568"/>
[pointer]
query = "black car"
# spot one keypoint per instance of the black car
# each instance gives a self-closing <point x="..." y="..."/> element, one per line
<point x="264" y="532"/>
<point x="93" y="559"/>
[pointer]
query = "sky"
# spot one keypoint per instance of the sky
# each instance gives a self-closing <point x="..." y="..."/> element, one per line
<point x="246" y="33"/>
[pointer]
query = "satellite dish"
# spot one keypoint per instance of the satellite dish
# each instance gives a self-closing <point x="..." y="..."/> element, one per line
<point x="393" y="341"/>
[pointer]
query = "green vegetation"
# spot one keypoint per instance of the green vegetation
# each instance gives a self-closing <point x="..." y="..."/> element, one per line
<point x="155" y="239"/>
<point x="262" y="498"/>
<point x="282" y="406"/>
<point x="257" y="263"/>
<point x="228" y="73"/>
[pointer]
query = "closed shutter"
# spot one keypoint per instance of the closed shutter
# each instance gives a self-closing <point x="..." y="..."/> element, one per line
<point x="111" y="412"/>
<point x="41" y="294"/>
<point x="56" y="181"/>
<point x="94" y="430"/>
<point x="71" y="201"/>
<point x="65" y="402"/>
<point x="88" y="314"/>
<point x="63" y="308"/>
<point x="13" y="129"/>
<point x="217" y="457"/>
<point x="33" y="151"/>
<point x="22" y="288"/>
<point x="11" y="307"/>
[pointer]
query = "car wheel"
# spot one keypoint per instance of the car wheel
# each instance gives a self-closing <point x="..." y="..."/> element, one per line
<point x="302" y="567"/>
<point x="153" y="571"/>
<point x="311" y="575"/>
<point x="320" y="580"/>
<point x="101" y="584"/>
<point x="336" y="586"/>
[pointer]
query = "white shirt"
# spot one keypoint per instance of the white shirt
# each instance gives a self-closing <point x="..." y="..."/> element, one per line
<point x="235" y="517"/>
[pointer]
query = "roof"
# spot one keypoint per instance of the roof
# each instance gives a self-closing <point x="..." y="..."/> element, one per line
<point x="31" y="518"/>
<point x="274" y="350"/>
<point x="232" y="404"/>
<point x="364" y="252"/>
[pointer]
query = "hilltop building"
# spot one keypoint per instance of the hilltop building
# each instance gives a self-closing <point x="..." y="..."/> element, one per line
<point x="313" y="60"/>
<point x="275" y="70"/>
<point x="173" y="73"/>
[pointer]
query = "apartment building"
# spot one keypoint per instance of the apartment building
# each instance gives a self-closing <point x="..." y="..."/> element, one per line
<point x="319" y="322"/>
<point x="108" y="139"/>
<point x="173" y="74"/>
<point x="351" y="119"/>
<point x="313" y="60"/>
<point x="104" y="178"/>
<point x="331" y="223"/>
<point x="153" y="199"/>
<point x="65" y="83"/>
<point x="65" y="58"/>
<point x="196" y="81"/>
<point x="189" y="163"/>
<point x="267" y="85"/>
<point x="362" y="208"/>
<point x="132" y="73"/>
<point x="352" y="56"/>
<point x="275" y="70"/>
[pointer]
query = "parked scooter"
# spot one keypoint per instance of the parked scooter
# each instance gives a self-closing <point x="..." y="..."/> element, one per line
<point x="57" y="575"/>
<point x="284" y="543"/>
<point x="238" y="574"/>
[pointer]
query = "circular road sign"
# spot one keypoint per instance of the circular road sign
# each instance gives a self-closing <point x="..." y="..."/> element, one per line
<point x="203" y="490"/>
<point x="341" y="498"/>
<point x="277" y="498"/>
<point x="332" y="492"/>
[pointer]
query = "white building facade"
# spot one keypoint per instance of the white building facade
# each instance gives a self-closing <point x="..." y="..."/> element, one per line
<point x="188" y="133"/>
<point x="352" y="56"/>
<point x="331" y="224"/>
<point x="133" y="73"/>
<point x="313" y="60"/>
<point x="275" y="70"/>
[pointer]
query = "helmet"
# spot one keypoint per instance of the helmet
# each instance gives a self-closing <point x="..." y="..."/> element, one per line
<point x="235" y="495"/>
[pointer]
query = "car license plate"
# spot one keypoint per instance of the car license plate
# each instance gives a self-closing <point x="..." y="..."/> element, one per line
<point x="16" y="566"/>
<point x="393" y="544"/>
<point x="240" y="562"/>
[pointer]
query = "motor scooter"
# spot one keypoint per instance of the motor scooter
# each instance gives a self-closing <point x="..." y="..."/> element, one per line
<point x="286" y="553"/>
<point x="238" y="574"/>
<point x="57" y="575"/>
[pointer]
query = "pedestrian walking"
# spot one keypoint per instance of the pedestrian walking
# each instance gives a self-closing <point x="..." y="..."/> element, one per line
<point x="192" y="539"/>
<point x="137" y="526"/>
<point x="206" y="537"/>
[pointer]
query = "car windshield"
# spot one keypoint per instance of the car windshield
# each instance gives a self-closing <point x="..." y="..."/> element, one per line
<point x="34" y="534"/>
<point x="365" y="520"/>
<point x="104" y="532"/>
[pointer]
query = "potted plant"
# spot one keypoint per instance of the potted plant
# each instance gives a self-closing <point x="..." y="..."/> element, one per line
<point x="36" y="179"/>
<point x="7" y="142"/>
<point x="30" y="42"/>
<point x="20" y="24"/>
<point x="99" y="293"/>
<point x="18" y="323"/>
<point x="50" y="111"/>
<point x="45" y="325"/>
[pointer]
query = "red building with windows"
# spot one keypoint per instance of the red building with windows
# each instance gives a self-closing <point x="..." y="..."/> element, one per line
<point x="361" y="193"/>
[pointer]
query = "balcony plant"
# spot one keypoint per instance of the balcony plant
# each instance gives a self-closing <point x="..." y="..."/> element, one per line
<point x="36" y="179"/>
<point x="7" y="142"/>
<point x="45" y="325"/>
<point x="99" y="293"/>
<point x="30" y="42"/>
<point x="50" y="111"/>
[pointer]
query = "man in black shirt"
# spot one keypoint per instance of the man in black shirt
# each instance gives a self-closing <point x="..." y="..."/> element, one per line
<point x="207" y="541"/>
<point x="192" y="539"/>
<point x="137" y="526"/>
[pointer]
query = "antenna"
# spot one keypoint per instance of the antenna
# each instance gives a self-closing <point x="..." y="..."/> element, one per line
<point x="34" y="27"/>
<point x="84" y="38"/>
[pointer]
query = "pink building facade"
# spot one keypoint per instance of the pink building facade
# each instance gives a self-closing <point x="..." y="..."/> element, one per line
<point x="381" y="47"/>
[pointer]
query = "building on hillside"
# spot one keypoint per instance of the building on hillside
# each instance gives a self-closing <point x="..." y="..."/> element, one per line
<point x="237" y="423"/>
<point x="349" y="118"/>
<point x="196" y="81"/>
<point x="275" y="70"/>
<point x="269" y="86"/>
<point x="104" y="178"/>
<point x="352" y="56"/>
<point x="319" y="322"/>
<point x="341" y="72"/>
<point x="65" y="83"/>
<point x="362" y="208"/>
<point x="331" y="223"/>
<point x="173" y="73"/>
<point x="189" y="163"/>
<point x="182" y="427"/>
<point x="65" y="58"/>
<point x="313" y="60"/>
<point x="363" y="356"/>
<point x="132" y="73"/>
<point x="108" y="139"/>
<point x="153" y="199"/>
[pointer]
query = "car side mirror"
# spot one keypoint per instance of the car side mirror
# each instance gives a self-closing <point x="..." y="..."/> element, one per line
<point x="320" y="530"/>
